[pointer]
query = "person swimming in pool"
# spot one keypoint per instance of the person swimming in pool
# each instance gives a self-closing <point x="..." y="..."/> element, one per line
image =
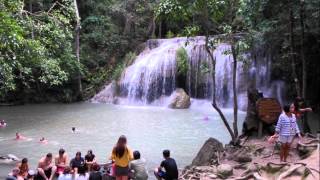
<point x="73" y="129"/>
<point x="19" y="136"/>
<point x="43" y="140"/>
<point x="3" y="123"/>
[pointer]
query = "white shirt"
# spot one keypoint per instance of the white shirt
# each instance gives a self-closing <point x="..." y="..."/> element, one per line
<point x="65" y="177"/>
<point x="86" y="177"/>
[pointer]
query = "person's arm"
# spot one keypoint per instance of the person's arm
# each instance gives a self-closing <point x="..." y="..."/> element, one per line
<point x="67" y="160"/>
<point x="305" y="110"/>
<point x="130" y="154"/>
<point x="298" y="130"/>
<point x="278" y="127"/>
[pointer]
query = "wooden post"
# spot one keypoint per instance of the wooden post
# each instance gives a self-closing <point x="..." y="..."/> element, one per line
<point x="260" y="129"/>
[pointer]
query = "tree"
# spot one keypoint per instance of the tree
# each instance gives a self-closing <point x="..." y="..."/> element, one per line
<point x="77" y="30"/>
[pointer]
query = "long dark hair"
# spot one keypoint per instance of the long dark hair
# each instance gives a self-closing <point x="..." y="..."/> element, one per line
<point x="121" y="146"/>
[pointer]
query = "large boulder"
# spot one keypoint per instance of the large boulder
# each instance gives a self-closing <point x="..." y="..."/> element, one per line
<point x="108" y="94"/>
<point x="224" y="170"/>
<point x="208" y="154"/>
<point x="179" y="99"/>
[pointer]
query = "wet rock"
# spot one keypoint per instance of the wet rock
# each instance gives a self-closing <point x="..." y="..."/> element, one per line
<point x="208" y="153"/>
<point x="108" y="94"/>
<point x="224" y="170"/>
<point x="243" y="158"/>
<point x="179" y="99"/>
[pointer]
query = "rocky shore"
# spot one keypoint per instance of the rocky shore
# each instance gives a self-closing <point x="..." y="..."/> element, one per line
<point x="254" y="159"/>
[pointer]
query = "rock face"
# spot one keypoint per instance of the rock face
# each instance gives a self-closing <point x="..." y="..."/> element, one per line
<point x="179" y="99"/>
<point x="224" y="170"/>
<point x="108" y="94"/>
<point x="251" y="121"/>
<point x="208" y="153"/>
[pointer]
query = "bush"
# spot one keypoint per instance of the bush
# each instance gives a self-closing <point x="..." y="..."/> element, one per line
<point x="169" y="34"/>
<point x="182" y="61"/>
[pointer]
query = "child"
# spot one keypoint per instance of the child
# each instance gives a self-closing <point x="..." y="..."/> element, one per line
<point x="286" y="129"/>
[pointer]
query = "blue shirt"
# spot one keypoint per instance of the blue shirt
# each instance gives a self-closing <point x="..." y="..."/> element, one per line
<point x="287" y="126"/>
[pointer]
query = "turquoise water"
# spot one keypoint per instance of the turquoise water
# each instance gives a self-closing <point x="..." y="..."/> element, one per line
<point x="148" y="129"/>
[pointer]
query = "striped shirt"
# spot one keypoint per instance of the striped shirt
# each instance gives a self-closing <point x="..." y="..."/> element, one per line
<point x="287" y="126"/>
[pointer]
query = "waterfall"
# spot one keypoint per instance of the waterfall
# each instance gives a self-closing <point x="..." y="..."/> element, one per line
<point x="153" y="75"/>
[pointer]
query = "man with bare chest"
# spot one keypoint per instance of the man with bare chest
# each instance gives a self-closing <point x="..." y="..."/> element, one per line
<point x="46" y="168"/>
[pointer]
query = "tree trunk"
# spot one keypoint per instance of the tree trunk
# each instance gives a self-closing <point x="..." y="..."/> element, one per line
<point x="78" y="46"/>
<point x="30" y="10"/>
<point x="292" y="53"/>
<point x="214" y="104"/>
<point x="160" y="28"/>
<point x="235" y="96"/>
<point x="303" y="60"/>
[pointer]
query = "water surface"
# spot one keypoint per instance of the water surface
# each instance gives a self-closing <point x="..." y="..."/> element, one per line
<point x="148" y="129"/>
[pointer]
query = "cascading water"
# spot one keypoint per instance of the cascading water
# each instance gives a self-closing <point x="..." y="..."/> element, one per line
<point x="153" y="75"/>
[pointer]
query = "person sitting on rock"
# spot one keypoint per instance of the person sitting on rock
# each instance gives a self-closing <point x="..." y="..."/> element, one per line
<point x="286" y="129"/>
<point x="61" y="161"/>
<point x="77" y="162"/>
<point x="170" y="167"/>
<point x="23" y="168"/>
<point x="66" y="174"/>
<point x="14" y="175"/>
<point x="46" y="168"/>
<point x="95" y="174"/>
<point x="90" y="159"/>
<point x="138" y="167"/>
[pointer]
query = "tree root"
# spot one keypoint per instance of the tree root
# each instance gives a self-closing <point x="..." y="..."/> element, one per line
<point x="289" y="171"/>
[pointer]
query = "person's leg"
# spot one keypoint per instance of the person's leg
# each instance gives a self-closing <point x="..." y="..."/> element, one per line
<point x="156" y="173"/>
<point x="287" y="151"/>
<point x="42" y="174"/>
<point x="305" y="124"/>
<point x="75" y="170"/>
<point x="53" y="172"/>
<point x="282" y="150"/>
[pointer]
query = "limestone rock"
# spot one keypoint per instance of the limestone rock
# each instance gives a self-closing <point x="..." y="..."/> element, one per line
<point x="243" y="158"/>
<point x="224" y="170"/>
<point x="179" y="99"/>
<point x="108" y="94"/>
<point x="208" y="153"/>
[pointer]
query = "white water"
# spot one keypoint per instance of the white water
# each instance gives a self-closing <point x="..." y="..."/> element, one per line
<point x="153" y="75"/>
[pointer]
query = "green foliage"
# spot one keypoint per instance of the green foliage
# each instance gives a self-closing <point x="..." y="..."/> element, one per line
<point x="118" y="71"/>
<point x="182" y="61"/>
<point x="169" y="35"/>
<point x="35" y="50"/>
<point x="129" y="58"/>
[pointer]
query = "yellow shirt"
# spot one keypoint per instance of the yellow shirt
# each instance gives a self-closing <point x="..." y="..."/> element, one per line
<point x="124" y="160"/>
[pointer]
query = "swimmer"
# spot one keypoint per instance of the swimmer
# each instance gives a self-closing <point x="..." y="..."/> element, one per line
<point x="19" y="136"/>
<point x="3" y="124"/>
<point x="73" y="129"/>
<point x="43" y="140"/>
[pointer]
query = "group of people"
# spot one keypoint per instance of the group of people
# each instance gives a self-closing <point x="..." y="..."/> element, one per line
<point x="124" y="164"/>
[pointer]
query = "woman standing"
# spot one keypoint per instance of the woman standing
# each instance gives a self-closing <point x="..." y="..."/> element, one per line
<point x="286" y="129"/>
<point x="121" y="155"/>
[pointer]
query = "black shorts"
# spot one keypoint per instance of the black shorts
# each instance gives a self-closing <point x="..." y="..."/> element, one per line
<point x="122" y="171"/>
<point x="46" y="172"/>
